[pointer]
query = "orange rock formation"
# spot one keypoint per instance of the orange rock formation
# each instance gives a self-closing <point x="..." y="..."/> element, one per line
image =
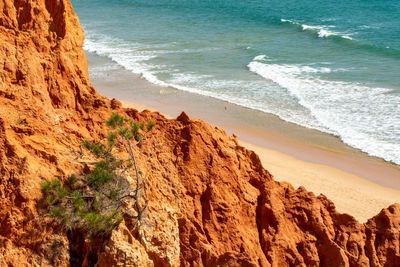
<point x="211" y="201"/>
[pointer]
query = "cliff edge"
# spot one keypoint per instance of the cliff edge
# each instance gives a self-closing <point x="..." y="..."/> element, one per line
<point x="211" y="201"/>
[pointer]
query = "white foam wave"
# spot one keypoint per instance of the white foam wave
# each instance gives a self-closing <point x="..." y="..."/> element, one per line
<point x="260" y="57"/>
<point x="363" y="117"/>
<point x="323" y="31"/>
<point x="105" y="68"/>
<point x="129" y="56"/>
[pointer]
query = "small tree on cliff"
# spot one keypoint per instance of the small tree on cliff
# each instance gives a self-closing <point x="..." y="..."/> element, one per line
<point x="112" y="188"/>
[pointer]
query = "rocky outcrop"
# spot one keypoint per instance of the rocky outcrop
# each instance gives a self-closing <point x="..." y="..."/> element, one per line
<point x="211" y="201"/>
<point x="46" y="106"/>
<point x="231" y="213"/>
<point x="382" y="237"/>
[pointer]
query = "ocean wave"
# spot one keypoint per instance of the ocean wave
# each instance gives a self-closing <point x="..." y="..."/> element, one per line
<point x="327" y="32"/>
<point x="261" y="58"/>
<point x="130" y="56"/>
<point x="362" y="116"/>
<point x="298" y="69"/>
<point x="321" y="31"/>
<point x="133" y="59"/>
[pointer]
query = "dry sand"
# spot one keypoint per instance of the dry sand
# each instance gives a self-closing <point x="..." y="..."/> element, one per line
<point x="138" y="106"/>
<point x="351" y="193"/>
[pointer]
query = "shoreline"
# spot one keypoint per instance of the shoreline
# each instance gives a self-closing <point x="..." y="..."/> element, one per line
<point x="358" y="184"/>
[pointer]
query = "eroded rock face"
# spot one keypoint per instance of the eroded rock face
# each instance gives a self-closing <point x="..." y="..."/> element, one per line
<point x="211" y="201"/>
<point x="383" y="237"/>
<point x="212" y="182"/>
<point x="46" y="106"/>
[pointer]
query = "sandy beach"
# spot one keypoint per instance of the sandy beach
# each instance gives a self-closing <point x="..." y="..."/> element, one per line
<point x="357" y="183"/>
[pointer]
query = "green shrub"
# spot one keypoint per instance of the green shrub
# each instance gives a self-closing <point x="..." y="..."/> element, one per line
<point x="96" y="148"/>
<point x="50" y="199"/>
<point x="57" y="212"/>
<point x="55" y="183"/>
<point x="114" y="194"/>
<point x="97" y="203"/>
<point x="94" y="202"/>
<point x="150" y="125"/>
<point x="115" y="121"/>
<point x="113" y="218"/>
<point x="102" y="174"/>
<point x="141" y="125"/>
<point x="135" y="131"/>
<point x="46" y="187"/>
<point x="77" y="200"/>
<point x="72" y="179"/>
<point x="61" y="192"/>
<point x="111" y="139"/>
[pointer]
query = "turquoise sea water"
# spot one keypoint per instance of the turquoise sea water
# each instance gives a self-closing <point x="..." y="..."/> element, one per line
<point x="328" y="65"/>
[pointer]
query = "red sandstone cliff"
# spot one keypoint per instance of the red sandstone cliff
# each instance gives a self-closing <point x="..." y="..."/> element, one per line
<point x="211" y="201"/>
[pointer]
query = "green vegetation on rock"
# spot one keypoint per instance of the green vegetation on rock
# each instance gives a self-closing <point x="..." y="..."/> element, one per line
<point x="114" y="187"/>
